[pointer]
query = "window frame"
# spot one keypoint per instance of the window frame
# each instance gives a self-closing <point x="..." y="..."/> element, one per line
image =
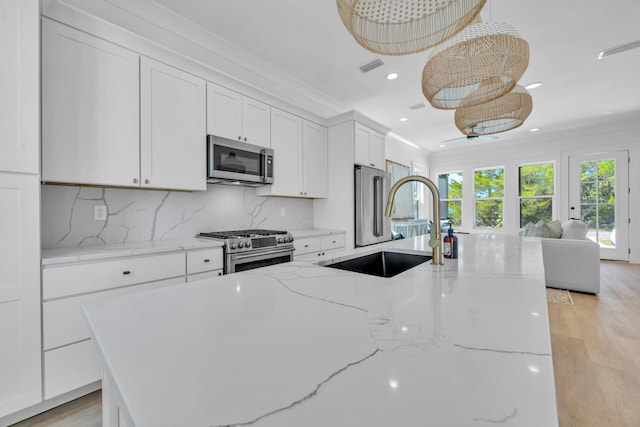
<point x="448" y="199"/>
<point x="476" y="199"/>
<point x="554" y="214"/>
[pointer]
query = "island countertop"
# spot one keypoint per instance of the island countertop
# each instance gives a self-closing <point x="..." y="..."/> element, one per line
<point x="296" y="344"/>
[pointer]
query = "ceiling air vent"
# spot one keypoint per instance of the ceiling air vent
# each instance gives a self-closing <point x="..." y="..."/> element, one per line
<point x="371" y="66"/>
<point x="417" y="107"/>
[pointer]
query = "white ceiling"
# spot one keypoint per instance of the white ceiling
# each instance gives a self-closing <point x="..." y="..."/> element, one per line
<point x="307" y="41"/>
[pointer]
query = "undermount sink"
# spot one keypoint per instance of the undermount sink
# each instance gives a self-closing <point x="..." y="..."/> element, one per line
<point x="383" y="264"/>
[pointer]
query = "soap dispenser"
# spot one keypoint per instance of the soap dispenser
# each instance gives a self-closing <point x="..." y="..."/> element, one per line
<point x="450" y="244"/>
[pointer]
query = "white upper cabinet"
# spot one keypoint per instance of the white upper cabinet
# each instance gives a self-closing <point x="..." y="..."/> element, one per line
<point x="368" y="147"/>
<point x="90" y="109"/>
<point x="256" y="122"/>
<point x="314" y="160"/>
<point x="173" y="128"/>
<point x="238" y="117"/>
<point x="286" y="141"/>
<point x="19" y="86"/>
<point x="300" y="157"/>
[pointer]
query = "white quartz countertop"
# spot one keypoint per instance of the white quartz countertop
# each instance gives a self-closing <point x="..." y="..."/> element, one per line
<point x="314" y="232"/>
<point x="296" y="344"/>
<point x="98" y="252"/>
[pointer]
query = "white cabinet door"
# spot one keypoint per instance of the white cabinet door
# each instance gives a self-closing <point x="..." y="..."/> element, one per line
<point x="376" y="150"/>
<point x="286" y="141"/>
<point x="19" y="86"/>
<point x="20" y="366"/>
<point x="368" y="147"/>
<point x="224" y="112"/>
<point x="173" y="128"/>
<point x="90" y="109"/>
<point x="361" y="145"/>
<point x="314" y="160"/>
<point x="234" y="116"/>
<point x="256" y="122"/>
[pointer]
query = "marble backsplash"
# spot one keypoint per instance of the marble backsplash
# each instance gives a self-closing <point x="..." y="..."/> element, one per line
<point x="133" y="215"/>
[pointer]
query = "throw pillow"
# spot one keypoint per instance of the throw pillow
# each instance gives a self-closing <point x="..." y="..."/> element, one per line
<point x="542" y="229"/>
<point x="556" y="229"/>
<point x="574" y="229"/>
<point x="528" y="229"/>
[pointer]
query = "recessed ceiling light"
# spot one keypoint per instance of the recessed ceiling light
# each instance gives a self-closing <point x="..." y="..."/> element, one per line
<point x="441" y="145"/>
<point x="392" y="76"/>
<point x="534" y="130"/>
<point x="533" y="85"/>
<point x="403" y="119"/>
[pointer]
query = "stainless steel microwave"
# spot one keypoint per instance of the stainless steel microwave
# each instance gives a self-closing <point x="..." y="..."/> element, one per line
<point x="238" y="163"/>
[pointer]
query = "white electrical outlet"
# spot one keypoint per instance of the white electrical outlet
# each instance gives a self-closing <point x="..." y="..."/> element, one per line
<point x="100" y="213"/>
<point x="281" y="211"/>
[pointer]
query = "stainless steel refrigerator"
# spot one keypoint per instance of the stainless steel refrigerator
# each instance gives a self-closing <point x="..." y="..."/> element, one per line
<point x="371" y="192"/>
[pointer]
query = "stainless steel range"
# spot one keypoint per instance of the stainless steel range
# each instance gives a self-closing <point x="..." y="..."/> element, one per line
<point x="247" y="249"/>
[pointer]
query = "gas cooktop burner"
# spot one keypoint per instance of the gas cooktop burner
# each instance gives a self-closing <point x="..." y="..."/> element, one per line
<point x="241" y="234"/>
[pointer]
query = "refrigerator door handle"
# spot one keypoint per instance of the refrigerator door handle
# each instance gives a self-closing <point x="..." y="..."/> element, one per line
<point x="377" y="206"/>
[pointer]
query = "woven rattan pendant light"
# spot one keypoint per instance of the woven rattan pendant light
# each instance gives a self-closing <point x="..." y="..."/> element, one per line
<point x="499" y="115"/>
<point x="401" y="27"/>
<point x="482" y="62"/>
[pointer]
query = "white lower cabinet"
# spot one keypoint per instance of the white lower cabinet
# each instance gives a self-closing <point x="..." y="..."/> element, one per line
<point x="70" y="367"/>
<point x="310" y="247"/>
<point x="205" y="263"/>
<point x="20" y="350"/>
<point x="70" y="358"/>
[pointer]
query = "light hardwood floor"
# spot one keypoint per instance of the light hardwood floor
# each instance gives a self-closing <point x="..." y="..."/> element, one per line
<point x="596" y="359"/>
<point x="596" y="352"/>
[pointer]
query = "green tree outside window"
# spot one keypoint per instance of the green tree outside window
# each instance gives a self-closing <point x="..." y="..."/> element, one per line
<point x="536" y="188"/>
<point x="450" y="187"/>
<point x="489" y="195"/>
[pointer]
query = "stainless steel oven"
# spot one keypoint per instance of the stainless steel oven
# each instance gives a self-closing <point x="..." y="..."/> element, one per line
<point x="248" y="249"/>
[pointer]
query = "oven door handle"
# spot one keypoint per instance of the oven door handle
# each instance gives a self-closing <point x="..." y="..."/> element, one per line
<point x="260" y="254"/>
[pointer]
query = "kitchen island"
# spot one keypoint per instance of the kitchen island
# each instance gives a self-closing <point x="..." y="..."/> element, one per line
<point x="299" y="344"/>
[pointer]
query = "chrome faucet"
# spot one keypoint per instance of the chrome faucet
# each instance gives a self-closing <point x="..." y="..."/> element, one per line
<point x="435" y="240"/>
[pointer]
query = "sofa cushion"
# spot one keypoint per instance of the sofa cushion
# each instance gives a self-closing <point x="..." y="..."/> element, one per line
<point x="547" y="230"/>
<point x="574" y="229"/>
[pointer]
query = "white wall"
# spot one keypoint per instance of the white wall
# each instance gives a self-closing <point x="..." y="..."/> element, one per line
<point x="621" y="134"/>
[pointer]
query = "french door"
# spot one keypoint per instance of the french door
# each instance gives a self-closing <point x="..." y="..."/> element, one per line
<point x="599" y="196"/>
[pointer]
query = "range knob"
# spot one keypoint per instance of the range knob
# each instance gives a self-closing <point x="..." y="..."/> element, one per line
<point x="241" y="244"/>
<point x="280" y="239"/>
<point x="291" y="239"/>
<point x="247" y="244"/>
<point x="232" y="245"/>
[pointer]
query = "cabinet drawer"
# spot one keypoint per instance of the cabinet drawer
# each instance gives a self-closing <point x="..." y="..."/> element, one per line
<point x="204" y="260"/>
<point x="332" y="242"/>
<point x="305" y="246"/>
<point x="80" y="278"/>
<point x="205" y="275"/>
<point x="63" y="321"/>
<point x="70" y="367"/>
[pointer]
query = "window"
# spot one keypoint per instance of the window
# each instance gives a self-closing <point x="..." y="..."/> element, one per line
<point x="450" y="187"/>
<point x="536" y="193"/>
<point x="489" y="194"/>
